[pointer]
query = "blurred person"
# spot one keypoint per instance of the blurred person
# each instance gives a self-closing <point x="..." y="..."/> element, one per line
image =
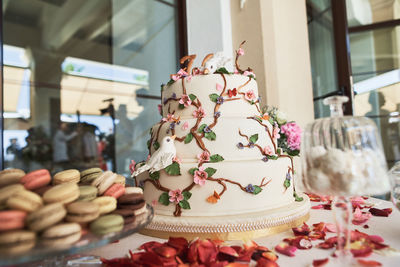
<point x="89" y="143"/>
<point x="123" y="139"/>
<point x="60" y="148"/>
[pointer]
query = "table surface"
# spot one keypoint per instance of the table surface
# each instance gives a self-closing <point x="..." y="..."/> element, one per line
<point x="386" y="227"/>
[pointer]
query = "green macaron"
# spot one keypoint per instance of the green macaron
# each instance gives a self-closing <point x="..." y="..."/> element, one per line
<point x="107" y="224"/>
<point x="89" y="175"/>
<point x="87" y="193"/>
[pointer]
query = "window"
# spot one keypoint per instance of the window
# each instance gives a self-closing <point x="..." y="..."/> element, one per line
<point x="82" y="79"/>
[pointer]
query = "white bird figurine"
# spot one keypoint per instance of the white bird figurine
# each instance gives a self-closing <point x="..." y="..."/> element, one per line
<point x="161" y="158"/>
<point x="218" y="60"/>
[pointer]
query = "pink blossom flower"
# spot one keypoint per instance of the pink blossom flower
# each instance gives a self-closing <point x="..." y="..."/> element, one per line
<point x="293" y="134"/>
<point x="240" y="52"/>
<point x="268" y="151"/>
<point x="154" y="203"/>
<point x="250" y="95"/>
<point x="236" y="71"/>
<point x="275" y="132"/>
<point x="203" y="157"/>
<point x="189" y="78"/>
<point x="185" y="100"/>
<point x="248" y="73"/>
<point x="200" y="176"/>
<point x="219" y="87"/>
<point x="175" y="196"/>
<point x="199" y="113"/>
<point x="181" y="73"/>
<point x="185" y="126"/>
<point x="177" y="160"/>
<point x="132" y="166"/>
<point x="170" y="118"/>
<point x="159" y="109"/>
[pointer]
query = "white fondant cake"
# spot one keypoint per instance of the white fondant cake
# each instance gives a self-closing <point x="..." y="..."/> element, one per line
<point x="232" y="158"/>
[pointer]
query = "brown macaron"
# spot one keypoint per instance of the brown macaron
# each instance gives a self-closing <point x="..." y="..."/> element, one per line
<point x="131" y="201"/>
<point x="128" y="215"/>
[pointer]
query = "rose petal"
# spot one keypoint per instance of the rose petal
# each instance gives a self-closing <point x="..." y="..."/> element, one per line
<point x="321" y="262"/>
<point x="303" y="230"/>
<point x="360" y="217"/>
<point x="286" y="249"/>
<point x="317" y="235"/>
<point x="270" y="256"/>
<point x="376" y="238"/>
<point x="369" y="263"/>
<point x="149" y="246"/>
<point x="165" y="251"/>
<point x="330" y="227"/>
<point x="380" y="212"/>
<point x="263" y="262"/>
<point x="328" y="243"/>
<point x="228" y="251"/>
<point x="318" y="207"/>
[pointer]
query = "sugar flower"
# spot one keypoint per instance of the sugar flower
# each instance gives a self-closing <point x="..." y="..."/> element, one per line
<point x="219" y="87"/>
<point x="275" y="132"/>
<point x="199" y="113"/>
<point x="177" y="160"/>
<point x="175" y="196"/>
<point x="132" y="166"/>
<point x="240" y="52"/>
<point x="248" y="73"/>
<point x="185" y="100"/>
<point x="293" y="134"/>
<point x="200" y="176"/>
<point x="250" y="95"/>
<point x="268" y="151"/>
<point x="250" y="188"/>
<point x="220" y="100"/>
<point x="185" y="126"/>
<point x="203" y="156"/>
<point x="281" y="117"/>
<point x="170" y="118"/>
<point x="159" y="109"/>
<point x="181" y="73"/>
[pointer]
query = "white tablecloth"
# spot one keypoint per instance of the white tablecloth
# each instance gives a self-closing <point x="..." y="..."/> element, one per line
<point x="386" y="227"/>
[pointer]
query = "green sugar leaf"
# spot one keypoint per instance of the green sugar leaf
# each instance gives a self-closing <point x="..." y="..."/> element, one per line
<point x="210" y="171"/>
<point x="192" y="97"/>
<point x="164" y="199"/>
<point x="201" y="128"/>
<point x="186" y="195"/>
<point x="170" y="82"/>
<point x="192" y="170"/>
<point x="184" y="204"/>
<point x="286" y="184"/>
<point x="188" y="138"/>
<point x="213" y="97"/>
<point x="156" y="145"/>
<point x="222" y="70"/>
<point x="173" y="169"/>
<point x="254" y="138"/>
<point x="181" y="106"/>
<point x="257" y="189"/>
<point x="297" y="198"/>
<point x="210" y="136"/>
<point x="155" y="175"/>
<point x="216" y="158"/>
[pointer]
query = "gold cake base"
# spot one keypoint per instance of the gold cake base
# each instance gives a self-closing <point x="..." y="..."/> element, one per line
<point x="240" y="227"/>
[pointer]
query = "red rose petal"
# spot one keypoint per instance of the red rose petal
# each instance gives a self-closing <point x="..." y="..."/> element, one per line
<point x="178" y="242"/>
<point x="362" y="252"/>
<point x="150" y="245"/>
<point x="369" y="263"/>
<point x="165" y="251"/>
<point x="317" y="235"/>
<point x="229" y="251"/>
<point x="329" y="243"/>
<point x="263" y="262"/>
<point x="321" y="262"/>
<point x="380" y="212"/>
<point x="235" y="264"/>
<point x="318" y="207"/>
<point x="319" y="226"/>
<point x="376" y="238"/>
<point x="303" y="230"/>
<point x="286" y="249"/>
<point x="207" y="251"/>
<point x="270" y="256"/>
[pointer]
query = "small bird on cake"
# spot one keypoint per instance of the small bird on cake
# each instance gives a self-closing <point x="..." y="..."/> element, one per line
<point x="161" y="158"/>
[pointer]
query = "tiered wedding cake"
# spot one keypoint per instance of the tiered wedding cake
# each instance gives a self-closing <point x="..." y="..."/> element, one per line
<point x="233" y="170"/>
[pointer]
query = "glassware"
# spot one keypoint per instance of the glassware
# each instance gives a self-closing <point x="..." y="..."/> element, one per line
<point x="394" y="175"/>
<point x="51" y="256"/>
<point x="342" y="156"/>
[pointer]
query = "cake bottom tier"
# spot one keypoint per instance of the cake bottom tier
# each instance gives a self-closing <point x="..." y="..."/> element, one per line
<point x="234" y="227"/>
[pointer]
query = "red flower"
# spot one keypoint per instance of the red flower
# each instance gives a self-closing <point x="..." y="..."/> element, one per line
<point x="232" y="92"/>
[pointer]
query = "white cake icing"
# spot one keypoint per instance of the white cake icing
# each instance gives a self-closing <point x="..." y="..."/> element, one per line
<point x="245" y="171"/>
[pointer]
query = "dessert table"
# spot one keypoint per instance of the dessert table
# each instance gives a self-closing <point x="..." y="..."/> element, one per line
<point x="386" y="227"/>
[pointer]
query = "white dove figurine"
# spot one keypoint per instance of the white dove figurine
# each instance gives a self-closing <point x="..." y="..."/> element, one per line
<point x="161" y="158"/>
<point x="217" y="61"/>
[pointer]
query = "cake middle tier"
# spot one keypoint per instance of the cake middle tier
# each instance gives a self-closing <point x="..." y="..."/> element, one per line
<point x="233" y="136"/>
<point x="242" y="186"/>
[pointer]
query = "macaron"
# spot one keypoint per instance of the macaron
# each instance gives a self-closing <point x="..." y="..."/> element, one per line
<point x="67" y="176"/>
<point x="104" y="181"/>
<point x="36" y="179"/>
<point x="63" y="193"/>
<point x="17" y="241"/>
<point x="89" y="175"/>
<point x="120" y="179"/>
<point x="46" y="216"/>
<point x="40" y="191"/>
<point x="10" y="176"/>
<point x="128" y="215"/>
<point x="106" y="204"/>
<point x="87" y="193"/>
<point x="25" y="200"/>
<point x="116" y="190"/>
<point x="140" y="211"/>
<point x="132" y="201"/>
<point x="82" y="212"/>
<point x="7" y="192"/>
<point x="133" y="190"/>
<point x="59" y="235"/>
<point x="12" y="220"/>
<point x="107" y="224"/>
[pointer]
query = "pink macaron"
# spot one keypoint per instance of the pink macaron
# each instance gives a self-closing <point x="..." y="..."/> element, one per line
<point x="116" y="190"/>
<point x="36" y="179"/>
<point x="12" y="219"/>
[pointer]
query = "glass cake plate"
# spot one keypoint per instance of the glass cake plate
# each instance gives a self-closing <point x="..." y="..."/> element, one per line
<point x="56" y="256"/>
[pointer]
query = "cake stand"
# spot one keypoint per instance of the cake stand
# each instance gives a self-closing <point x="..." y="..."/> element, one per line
<point x="57" y="256"/>
<point x="234" y="227"/>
